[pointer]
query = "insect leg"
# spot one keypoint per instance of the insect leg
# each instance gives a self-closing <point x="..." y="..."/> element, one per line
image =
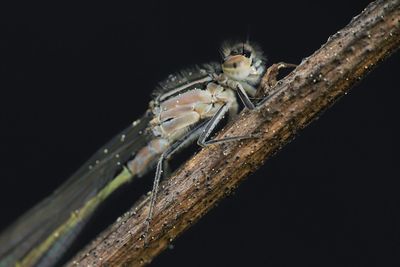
<point x="184" y="142"/>
<point x="243" y="89"/>
<point x="244" y="97"/>
<point x="153" y="195"/>
<point x="210" y="126"/>
<point x="189" y="138"/>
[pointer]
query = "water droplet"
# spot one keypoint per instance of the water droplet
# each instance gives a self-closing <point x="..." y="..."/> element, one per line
<point x="136" y="122"/>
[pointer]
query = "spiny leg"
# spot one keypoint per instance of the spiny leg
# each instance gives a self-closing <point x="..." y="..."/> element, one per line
<point x="153" y="196"/>
<point x="201" y="133"/>
<point x="210" y="126"/>
<point x="188" y="139"/>
<point x="241" y="91"/>
<point x="244" y="97"/>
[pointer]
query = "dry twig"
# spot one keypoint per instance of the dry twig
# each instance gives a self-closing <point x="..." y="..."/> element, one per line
<point x="217" y="170"/>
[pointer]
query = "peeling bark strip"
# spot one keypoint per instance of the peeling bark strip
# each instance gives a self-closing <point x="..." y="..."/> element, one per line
<point x="215" y="171"/>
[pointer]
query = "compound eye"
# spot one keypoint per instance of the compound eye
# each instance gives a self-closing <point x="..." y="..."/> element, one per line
<point x="234" y="53"/>
<point x="247" y="53"/>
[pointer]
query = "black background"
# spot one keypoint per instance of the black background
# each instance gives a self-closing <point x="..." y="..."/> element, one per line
<point x="73" y="76"/>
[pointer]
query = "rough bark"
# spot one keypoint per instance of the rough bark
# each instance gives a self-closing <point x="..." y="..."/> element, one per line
<point x="215" y="171"/>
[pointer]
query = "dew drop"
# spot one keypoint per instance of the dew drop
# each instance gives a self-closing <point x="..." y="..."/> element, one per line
<point x="136" y="122"/>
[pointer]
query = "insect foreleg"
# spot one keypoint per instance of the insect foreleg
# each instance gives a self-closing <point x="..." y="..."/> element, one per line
<point x="243" y="89"/>
<point x="244" y="97"/>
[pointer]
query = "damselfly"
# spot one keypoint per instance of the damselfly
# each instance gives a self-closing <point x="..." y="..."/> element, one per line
<point x="186" y="107"/>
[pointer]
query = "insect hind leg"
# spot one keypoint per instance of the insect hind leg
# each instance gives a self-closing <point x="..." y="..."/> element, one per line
<point x="185" y="141"/>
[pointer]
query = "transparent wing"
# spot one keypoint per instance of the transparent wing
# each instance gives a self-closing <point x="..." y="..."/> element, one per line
<point x="37" y="224"/>
<point x="34" y="226"/>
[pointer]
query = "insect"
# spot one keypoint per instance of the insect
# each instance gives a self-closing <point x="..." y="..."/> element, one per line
<point x="186" y="107"/>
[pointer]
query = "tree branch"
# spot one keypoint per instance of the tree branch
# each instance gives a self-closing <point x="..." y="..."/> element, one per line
<point x="215" y="171"/>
